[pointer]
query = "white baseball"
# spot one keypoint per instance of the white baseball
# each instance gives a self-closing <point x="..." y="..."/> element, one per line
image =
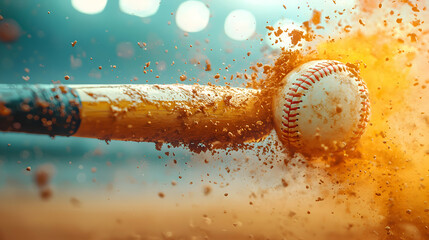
<point x="324" y="106"/>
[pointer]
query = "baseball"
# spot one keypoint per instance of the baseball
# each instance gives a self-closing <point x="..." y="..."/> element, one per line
<point x="324" y="106"/>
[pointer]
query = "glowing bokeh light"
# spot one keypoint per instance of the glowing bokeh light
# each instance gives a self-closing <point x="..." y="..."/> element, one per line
<point x="192" y="16"/>
<point x="240" y="25"/>
<point x="284" y="40"/>
<point x="89" y="6"/>
<point x="140" y="8"/>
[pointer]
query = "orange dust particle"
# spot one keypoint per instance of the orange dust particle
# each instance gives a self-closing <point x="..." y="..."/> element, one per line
<point x="284" y="183"/>
<point x="296" y="36"/>
<point x="208" y="65"/>
<point x="413" y="37"/>
<point x="93" y="169"/>
<point x="100" y="67"/>
<point x="399" y="20"/>
<point x="183" y="77"/>
<point x="28" y="169"/>
<point x="141" y="44"/>
<point x="270" y="28"/>
<point x="416" y="23"/>
<point x="1" y="17"/>
<point x="207" y="190"/>
<point x="161" y="195"/>
<point x="42" y="177"/>
<point x="248" y="53"/>
<point x="278" y="32"/>
<point x="347" y="28"/>
<point x="45" y="193"/>
<point x="226" y="194"/>
<point x="315" y="19"/>
<point x="66" y="77"/>
<point x="338" y="109"/>
<point x="73" y="43"/>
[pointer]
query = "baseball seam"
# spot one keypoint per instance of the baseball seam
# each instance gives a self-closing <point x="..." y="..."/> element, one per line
<point x="306" y="80"/>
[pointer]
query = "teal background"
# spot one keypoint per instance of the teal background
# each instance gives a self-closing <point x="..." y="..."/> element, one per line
<point x="45" y="49"/>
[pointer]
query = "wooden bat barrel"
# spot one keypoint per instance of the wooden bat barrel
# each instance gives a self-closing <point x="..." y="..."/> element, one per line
<point x="198" y="116"/>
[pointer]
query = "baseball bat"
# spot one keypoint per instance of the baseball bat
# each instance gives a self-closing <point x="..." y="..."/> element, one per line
<point x="197" y="115"/>
<point x="321" y="105"/>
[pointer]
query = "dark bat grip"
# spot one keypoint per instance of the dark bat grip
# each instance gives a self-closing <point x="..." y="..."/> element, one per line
<point x="42" y="109"/>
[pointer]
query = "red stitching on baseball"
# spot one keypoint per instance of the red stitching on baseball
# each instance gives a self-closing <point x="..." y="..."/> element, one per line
<point x="320" y="70"/>
<point x="299" y="85"/>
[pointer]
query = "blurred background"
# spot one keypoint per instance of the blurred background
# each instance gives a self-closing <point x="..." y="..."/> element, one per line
<point x="76" y="188"/>
<point x="45" y="40"/>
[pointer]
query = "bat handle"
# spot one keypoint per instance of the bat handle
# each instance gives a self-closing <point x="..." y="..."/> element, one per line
<point x="42" y="109"/>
